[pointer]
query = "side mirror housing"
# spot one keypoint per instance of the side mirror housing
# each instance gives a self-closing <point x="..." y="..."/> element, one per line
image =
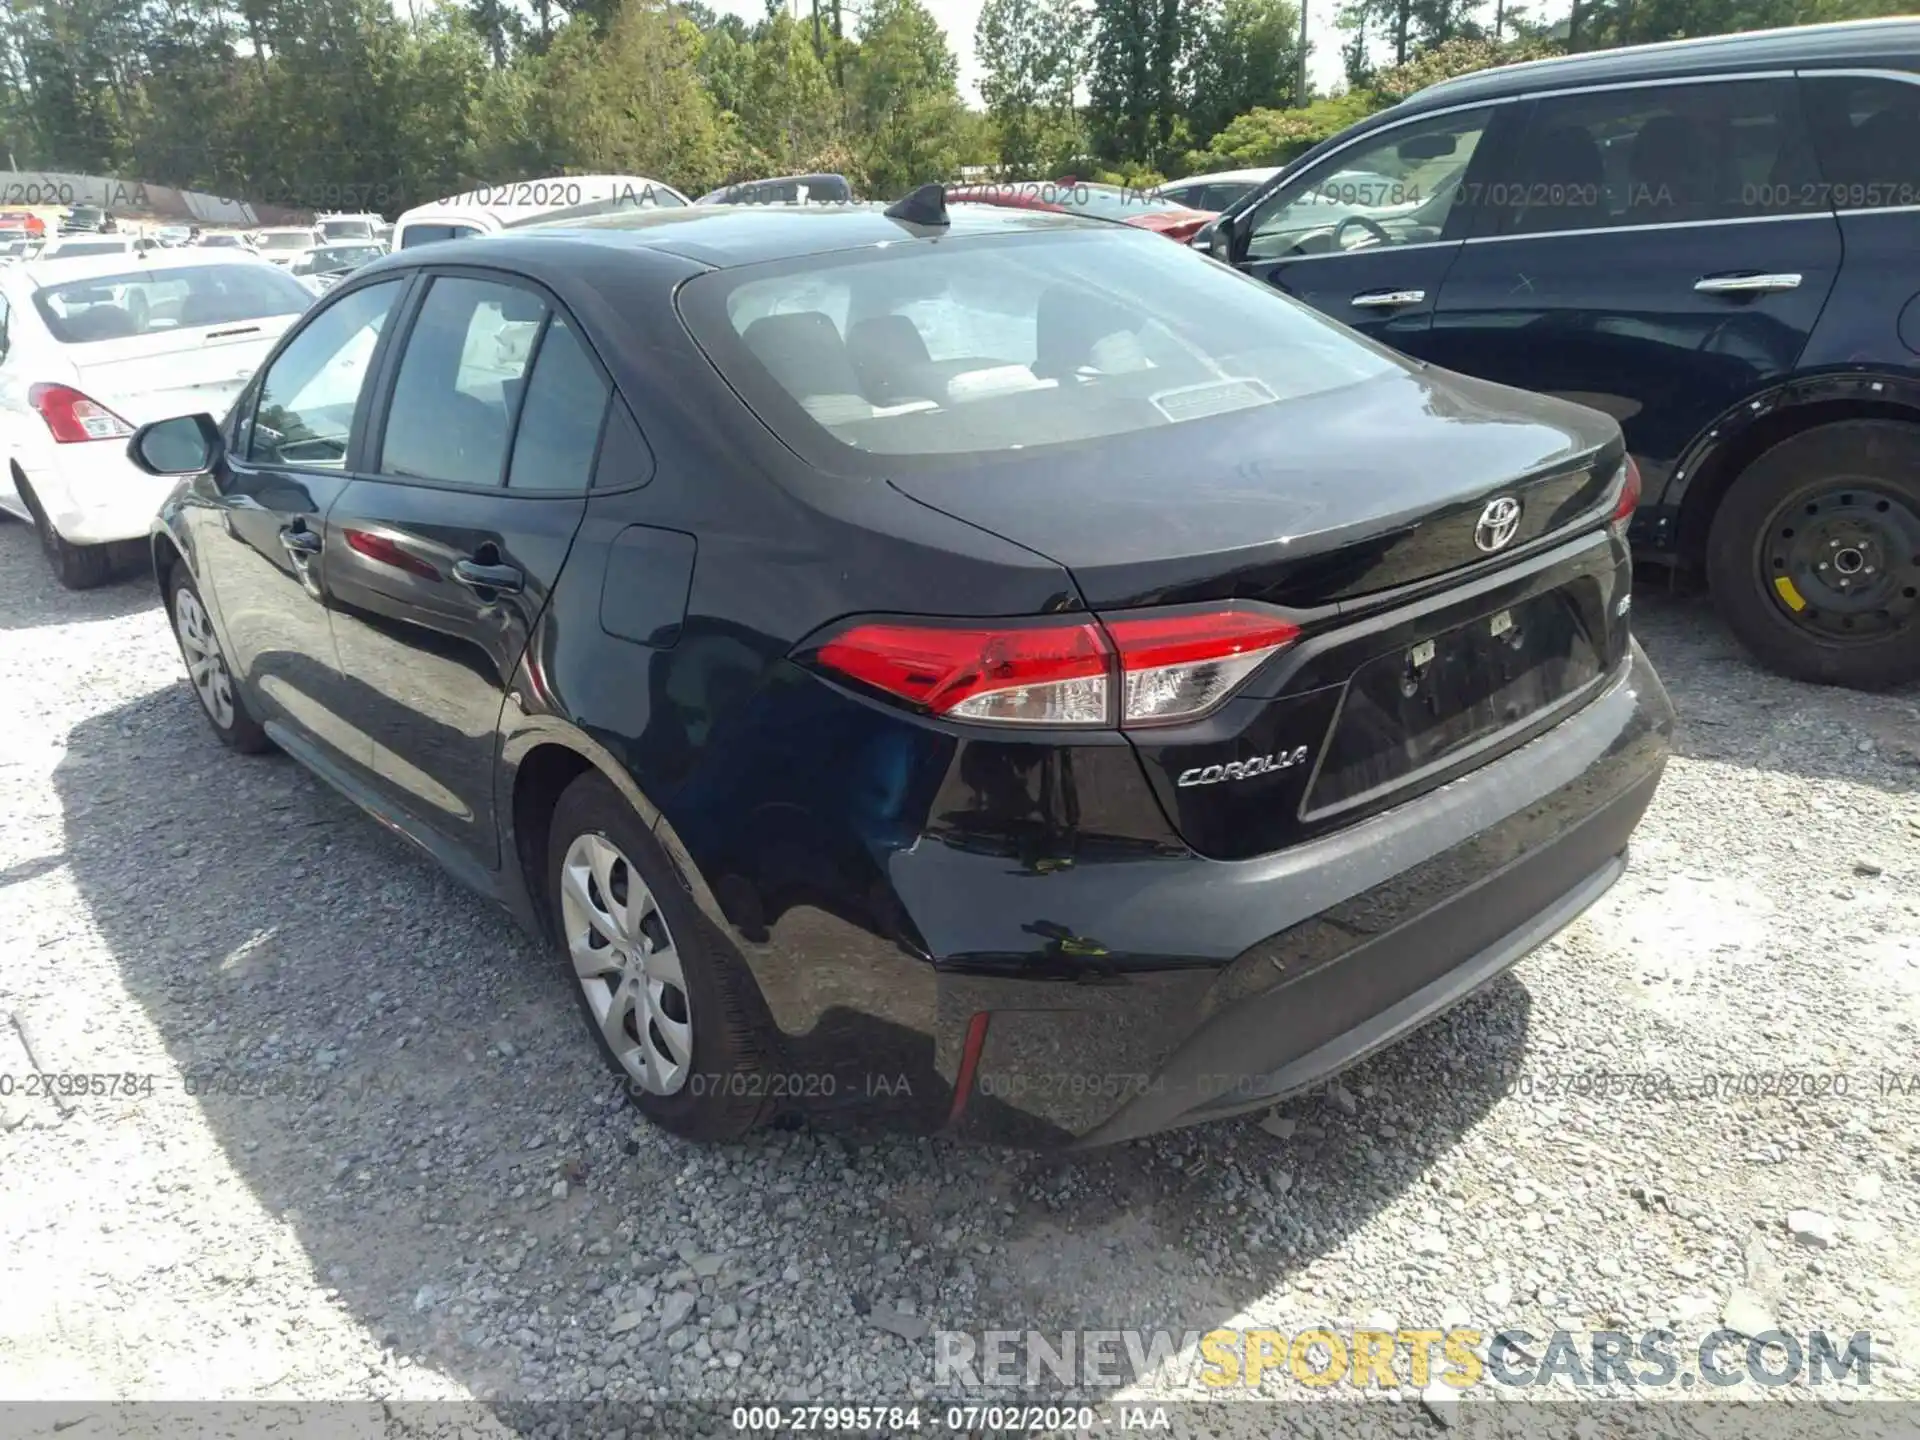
<point x="1203" y="237"/>
<point x="182" y="445"/>
<point x="1220" y="241"/>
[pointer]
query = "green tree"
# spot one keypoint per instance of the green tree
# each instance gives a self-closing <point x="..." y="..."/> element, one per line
<point x="903" y="99"/>
<point x="1141" y="61"/>
<point x="1248" y="57"/>
<point x="627" y="100"/>
<point x="1032" y="54"/>
<point x="788" y="112"/>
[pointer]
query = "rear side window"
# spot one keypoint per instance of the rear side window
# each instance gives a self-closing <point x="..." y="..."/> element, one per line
<point x="559" y="427"/>
<point x="309" y="395"/>
<point x="459" y="382"/>
<point x="144" y="302"/>
<point x="1867" y="134"/>
<point x="1658" y="155"/>
<point x="1020" y="341"/>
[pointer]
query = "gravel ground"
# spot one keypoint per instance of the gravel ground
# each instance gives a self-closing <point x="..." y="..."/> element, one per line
<point x="451" y="1200"/>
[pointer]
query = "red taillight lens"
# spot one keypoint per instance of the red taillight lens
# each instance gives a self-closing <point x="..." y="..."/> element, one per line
<point x="1177" y="667"/>
<point x="75" y="418"/>
<point x="1629" y="500"/>
<point x="1032" y="675"/>
<point x="1169" y="668"/>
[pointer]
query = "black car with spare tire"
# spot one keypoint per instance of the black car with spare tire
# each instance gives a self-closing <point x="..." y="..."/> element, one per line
<point x="992" y="670"/>
<point x="1711" y="240"/>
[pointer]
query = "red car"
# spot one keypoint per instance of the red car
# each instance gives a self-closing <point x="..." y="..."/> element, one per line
<point x="1079" y="197"/>
<point x="23" y="220"/>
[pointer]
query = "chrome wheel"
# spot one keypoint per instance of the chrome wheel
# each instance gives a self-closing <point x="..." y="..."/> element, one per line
<point x="626" y="963"/>
<point x="206" y="666"/>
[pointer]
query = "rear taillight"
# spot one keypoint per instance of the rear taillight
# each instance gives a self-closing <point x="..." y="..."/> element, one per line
<point x="1154" y="670"/>
<point x="75" y="418"/>
<point x="1628" y="500"/>
<point x="1030" y="675"/>
<point x="1178" y="667"/>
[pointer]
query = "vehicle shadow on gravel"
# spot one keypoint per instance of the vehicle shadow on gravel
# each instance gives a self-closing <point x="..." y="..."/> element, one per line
<point x="401" y="1080"/>
<point x="36" y="598"/>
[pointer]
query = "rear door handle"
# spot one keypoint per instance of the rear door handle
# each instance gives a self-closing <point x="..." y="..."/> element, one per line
<point x="1746" y="284"/>
<point x="300" y="544"/>
<point x="505" y="579"/>
<point x="1387" y="299"/>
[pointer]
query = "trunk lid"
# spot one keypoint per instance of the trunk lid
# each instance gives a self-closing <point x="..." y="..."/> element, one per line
<point x="1422" y="654"/>
<point x="1301" y="504"/>
<point x="176" y="372"/>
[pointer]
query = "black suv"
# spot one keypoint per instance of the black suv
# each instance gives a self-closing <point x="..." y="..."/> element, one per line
<point x="1715" y="241"/>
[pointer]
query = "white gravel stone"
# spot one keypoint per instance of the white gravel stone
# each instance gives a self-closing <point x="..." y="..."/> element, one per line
<point x="217" y="909"/>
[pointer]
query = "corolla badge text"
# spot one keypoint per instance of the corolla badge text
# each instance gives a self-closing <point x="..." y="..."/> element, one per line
<point x="1243" y="769"/>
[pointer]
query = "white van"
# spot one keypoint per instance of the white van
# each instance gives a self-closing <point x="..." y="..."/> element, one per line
<point x="494" y="208"/>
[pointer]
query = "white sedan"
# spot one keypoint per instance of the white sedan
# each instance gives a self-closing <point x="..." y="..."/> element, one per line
<point x="90" y="349"/>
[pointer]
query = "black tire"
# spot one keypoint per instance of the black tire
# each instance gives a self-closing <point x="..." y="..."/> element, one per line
<point x="1804" y="469"/>
<point x="77" y="567"/>
<point x="726" y="1094"/>
<point x="241" y="732"/>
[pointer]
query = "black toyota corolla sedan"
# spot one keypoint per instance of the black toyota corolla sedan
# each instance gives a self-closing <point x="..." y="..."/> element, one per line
<point x="997" y="671"/>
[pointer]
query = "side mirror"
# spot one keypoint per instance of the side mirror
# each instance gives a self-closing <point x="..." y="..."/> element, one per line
<point x="1203" y="237"/>
<point x="183" y="445"/>
<point x="1220" y="242"/>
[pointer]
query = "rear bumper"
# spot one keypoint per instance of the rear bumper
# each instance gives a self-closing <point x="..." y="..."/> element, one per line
<point x="1338" y="947"/>
<point x="92" y="494"/>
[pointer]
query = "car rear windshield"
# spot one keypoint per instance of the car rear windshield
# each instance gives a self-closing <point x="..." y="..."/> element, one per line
<point x="148" y="302"/>
<point x="71" y="249"/>
<point x="287" y="240"/>
<point x="347" y="229"/>
<point x="1009" y="343"/>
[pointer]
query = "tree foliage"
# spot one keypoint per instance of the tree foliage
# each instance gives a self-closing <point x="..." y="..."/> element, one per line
<point x="382" y="104"/>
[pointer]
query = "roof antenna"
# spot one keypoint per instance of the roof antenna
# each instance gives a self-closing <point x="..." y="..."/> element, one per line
<point x="925" y="206"/>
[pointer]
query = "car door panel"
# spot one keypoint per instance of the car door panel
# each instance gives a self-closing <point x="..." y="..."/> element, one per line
<point x="262" y="542"/>
<point x="442" y="560"/>
<point x="1619" y="321"/>
<point x="428" y="650"/>
<point x="1866" y="133"/>
<point x="1656" y="259"/>
<point x="1368" y="234"/>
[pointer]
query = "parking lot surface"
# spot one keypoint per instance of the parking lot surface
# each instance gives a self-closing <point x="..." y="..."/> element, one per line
<point x="413" y="1179"/>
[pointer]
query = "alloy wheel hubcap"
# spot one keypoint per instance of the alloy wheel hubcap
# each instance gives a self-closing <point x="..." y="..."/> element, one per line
<point x="1844" y="563"/>
<point x="627" y="965"/>
<point x="206" y="666"/>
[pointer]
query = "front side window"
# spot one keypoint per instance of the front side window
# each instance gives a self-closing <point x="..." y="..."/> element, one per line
<point x="313" y="391"/>
<point x="459" y="382"/>
<point x="147" y="302"/>
<point x="1395" y="188"/>
<point x="1018" y="342"/>
<point x="1658" y="155"/>
<point x="1866" y="131"/>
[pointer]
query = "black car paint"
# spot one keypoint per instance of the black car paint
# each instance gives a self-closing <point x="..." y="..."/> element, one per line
<point x="888" y="877"/>
<point x="1611" y="317"/>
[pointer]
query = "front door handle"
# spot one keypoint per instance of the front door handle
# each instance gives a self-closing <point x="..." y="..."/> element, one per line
<point x="300" y="544"/>
<point x="1746" y="284"/>
<point x="1387" y="299"/>
<point x="503" y="579"/>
